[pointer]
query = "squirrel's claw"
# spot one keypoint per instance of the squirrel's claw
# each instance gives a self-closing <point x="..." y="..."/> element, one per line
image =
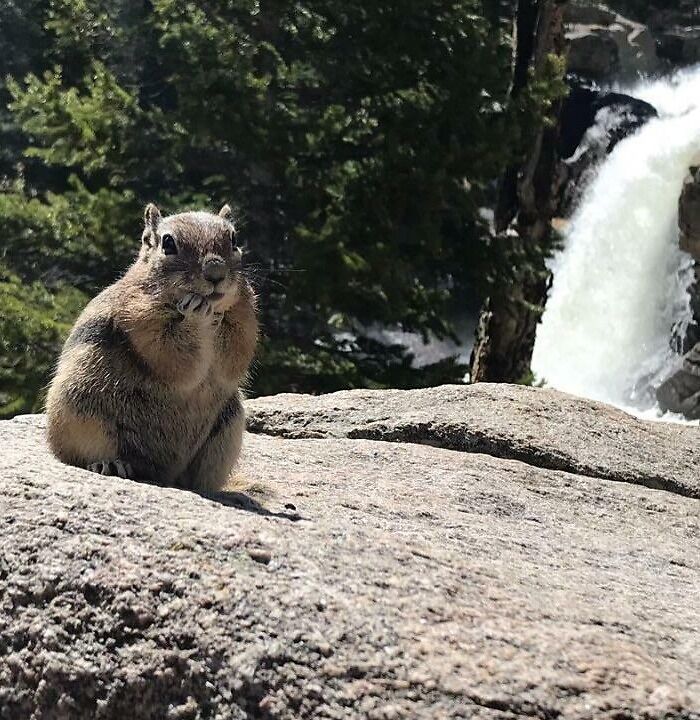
<point x="117" y="468"/>
<point x="196" y="305"/>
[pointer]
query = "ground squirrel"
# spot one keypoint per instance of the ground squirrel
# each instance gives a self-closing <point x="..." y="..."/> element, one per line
<point x="147" y="385"/>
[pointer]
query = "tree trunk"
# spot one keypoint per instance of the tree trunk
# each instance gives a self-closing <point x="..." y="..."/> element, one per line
<point x="526" y="201"/>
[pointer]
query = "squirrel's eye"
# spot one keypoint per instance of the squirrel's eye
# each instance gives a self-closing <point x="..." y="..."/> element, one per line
<point x="168" y="244"/>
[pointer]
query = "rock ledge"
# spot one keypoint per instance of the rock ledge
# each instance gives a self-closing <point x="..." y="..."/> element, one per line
<point x="357" y="578"/>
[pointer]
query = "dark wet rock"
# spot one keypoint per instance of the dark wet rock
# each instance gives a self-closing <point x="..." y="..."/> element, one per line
<point x="607" y="46"/>
<point x="604" y="45"/>
<point x="580" y="13"/>
<point x="663" y="14"/>
<point x="680" y="393"/>
<point x="586" y="106"/>
<point x="593" y="52"/>
<point x="679" y="45"/>
<point x="593" y="123"/>
<point x="689" y="240"/>
<point x="689" y="214"/>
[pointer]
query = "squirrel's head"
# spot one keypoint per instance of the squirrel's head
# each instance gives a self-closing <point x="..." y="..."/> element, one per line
<point x="192" y="252"/>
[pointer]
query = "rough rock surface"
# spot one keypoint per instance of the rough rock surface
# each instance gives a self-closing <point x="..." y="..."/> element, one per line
<point x="544" y="428"/>
<point x="689" y="214"/>
<point x="680" y="391"/>
<point x="678" y="13"/>
<point x="364" y="579"/>
<point x="689" y="241"/>
<point x="680" y="45"/>
<point x="606" y="45"/>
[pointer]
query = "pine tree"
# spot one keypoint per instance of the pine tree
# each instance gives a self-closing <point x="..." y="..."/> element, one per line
<point x="358" y="141"/>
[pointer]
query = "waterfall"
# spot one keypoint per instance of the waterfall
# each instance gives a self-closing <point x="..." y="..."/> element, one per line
<point x="620" y="282"/>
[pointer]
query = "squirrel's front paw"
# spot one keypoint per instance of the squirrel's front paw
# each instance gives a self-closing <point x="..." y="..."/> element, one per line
<point x="195" y="306"/>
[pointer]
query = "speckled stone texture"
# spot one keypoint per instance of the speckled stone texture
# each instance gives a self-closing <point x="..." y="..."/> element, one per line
<point x="426" y="577"/>
<point x="540" y="427"/>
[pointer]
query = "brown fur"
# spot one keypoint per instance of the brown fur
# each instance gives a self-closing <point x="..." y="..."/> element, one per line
<point x="153" y="386"/>
<point x="80" y="438"/>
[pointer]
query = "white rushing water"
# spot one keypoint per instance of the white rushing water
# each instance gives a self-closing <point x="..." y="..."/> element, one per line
<point x="620" y="283"/>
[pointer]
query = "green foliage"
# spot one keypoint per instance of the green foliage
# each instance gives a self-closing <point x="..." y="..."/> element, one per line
<point x="545" y="89"/>
<point x="32" y="325"/>
<point x="357" y="139"/>
<point x="531" y="380"/>
<point x="360" y="362"/>
<point x="512" y="260"/>
<point x="78" y="235"/>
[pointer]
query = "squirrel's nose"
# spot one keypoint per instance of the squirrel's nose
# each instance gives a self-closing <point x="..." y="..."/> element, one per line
<point x="214" y="268"/>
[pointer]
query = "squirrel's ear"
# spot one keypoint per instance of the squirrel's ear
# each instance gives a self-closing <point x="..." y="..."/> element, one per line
<point x="151" y="216"/>
<point x="225" y="212"/>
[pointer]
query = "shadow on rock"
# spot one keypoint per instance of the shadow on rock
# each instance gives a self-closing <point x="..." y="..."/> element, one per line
<point x="242" y="501"/>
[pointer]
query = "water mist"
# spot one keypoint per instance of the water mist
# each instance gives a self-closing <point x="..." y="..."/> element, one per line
<point x="620" y="283"/>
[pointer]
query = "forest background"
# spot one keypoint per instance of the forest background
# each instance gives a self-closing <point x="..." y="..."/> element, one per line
<point x="360" y="142"/>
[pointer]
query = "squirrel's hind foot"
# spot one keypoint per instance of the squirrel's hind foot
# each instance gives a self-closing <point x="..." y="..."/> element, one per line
<point x="117" y="468"/>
